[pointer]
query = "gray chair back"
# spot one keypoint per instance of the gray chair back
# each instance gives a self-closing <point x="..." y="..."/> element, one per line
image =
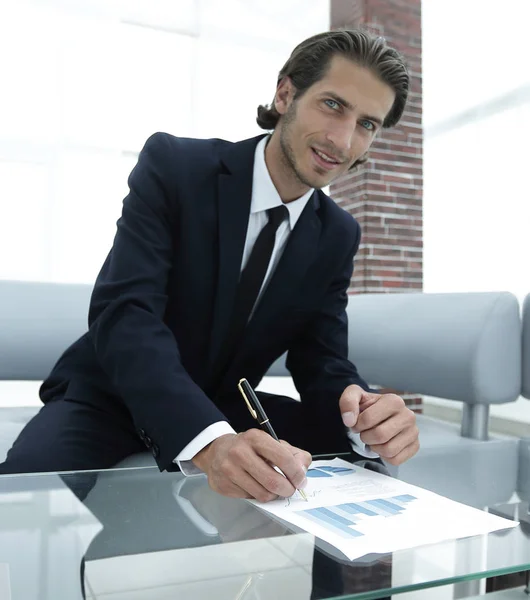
<point x="526" y="348"/>
<point x="38" y="321"/>
<point x="463" y="347"/>
<point x="523" y="488"/>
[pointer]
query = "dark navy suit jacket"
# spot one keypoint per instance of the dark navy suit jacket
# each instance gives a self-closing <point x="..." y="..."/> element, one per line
<point x="163" y="299"/>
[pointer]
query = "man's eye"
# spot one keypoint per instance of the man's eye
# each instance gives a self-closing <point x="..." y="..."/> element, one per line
<point x="332" y="103"/>
<point x="367" y="124"/>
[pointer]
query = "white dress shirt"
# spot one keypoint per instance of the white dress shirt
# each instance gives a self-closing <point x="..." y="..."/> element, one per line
<point x="264" y="197"/>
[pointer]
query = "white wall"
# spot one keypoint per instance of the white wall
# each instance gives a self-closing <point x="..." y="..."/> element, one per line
<point x="477" y="127"/>
<point x="86" y="82"/>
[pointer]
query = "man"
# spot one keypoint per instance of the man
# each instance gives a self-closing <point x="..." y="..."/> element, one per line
<point x="226" y="256"/>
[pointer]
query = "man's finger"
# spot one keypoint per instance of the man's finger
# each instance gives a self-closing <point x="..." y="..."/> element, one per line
<point x="273" y="481"/>
<point x="379" y="412"/>
<point x="304" y="457"/>
<point x="249" y="484"/>
<point x="405" y="454"/>
<point x="368" y="400"/>
<point x="349" y="404"/>
<point x="280" y="456"/>
<point x="247" y="457"/>
<point x="392" y="447"/>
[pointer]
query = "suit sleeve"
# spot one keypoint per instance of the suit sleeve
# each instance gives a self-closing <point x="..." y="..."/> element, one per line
<point x="135" y="348"/>
<point x="318" y="360"/>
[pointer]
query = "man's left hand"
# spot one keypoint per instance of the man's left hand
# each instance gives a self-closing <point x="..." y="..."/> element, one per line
<point x="383" y="421"/>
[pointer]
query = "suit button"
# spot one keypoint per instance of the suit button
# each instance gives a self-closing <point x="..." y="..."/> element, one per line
<point x="141" y="434"/>
<point x="155" y="451"/>
<point x="148" y="442"/>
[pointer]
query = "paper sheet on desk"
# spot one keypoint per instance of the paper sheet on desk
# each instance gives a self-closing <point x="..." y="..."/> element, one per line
<point x="362" y="512"/>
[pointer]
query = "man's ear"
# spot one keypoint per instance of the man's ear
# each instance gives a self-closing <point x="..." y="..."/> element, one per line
<point x="284" y="97"/>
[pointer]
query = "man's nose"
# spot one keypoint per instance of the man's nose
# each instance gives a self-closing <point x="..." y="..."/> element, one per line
<point x="342" y="138"/>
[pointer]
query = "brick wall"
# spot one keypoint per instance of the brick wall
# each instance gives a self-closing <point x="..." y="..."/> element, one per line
<point x="385" y="194"/>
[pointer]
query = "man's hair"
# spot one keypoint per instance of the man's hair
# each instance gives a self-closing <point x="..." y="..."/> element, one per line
<point x="310" y="60"/>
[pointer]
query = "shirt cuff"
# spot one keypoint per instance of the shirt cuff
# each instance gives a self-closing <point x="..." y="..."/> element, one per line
<point x="205" y="437"/>
<point x="359" y="446"/>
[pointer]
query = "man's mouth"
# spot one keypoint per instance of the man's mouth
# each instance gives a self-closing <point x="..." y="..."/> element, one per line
<point x="326" y="160"/>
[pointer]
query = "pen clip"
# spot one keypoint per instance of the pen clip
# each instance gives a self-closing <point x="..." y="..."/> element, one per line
<point x="249" y="406"/>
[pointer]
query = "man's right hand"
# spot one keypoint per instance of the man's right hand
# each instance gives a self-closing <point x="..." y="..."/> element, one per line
<point x="241" y="466"/>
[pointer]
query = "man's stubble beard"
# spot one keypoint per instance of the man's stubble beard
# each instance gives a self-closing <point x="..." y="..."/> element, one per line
<point x="288" y="157"/>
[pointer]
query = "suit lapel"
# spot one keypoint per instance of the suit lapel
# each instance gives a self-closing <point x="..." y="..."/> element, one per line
<point x="234" y="199"/>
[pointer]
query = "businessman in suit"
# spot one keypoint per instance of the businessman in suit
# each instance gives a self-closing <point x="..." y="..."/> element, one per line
<point x="226" y="256"/>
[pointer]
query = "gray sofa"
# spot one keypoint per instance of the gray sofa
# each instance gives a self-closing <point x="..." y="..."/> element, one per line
<point x="523" y="479"/>
<point x="37" y="323"/>
<point x="526" y="348"/>
<point x="463" y="347"/>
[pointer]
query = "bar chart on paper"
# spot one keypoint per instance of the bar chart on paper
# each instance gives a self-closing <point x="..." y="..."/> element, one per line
<point x="360" y="511"/>
<point x="347" y="520"/>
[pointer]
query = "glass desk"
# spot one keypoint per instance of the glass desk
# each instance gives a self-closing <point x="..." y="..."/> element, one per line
<point x="138" y="534"/>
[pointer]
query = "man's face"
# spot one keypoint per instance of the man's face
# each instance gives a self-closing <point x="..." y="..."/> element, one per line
<point x="337" y="117"/>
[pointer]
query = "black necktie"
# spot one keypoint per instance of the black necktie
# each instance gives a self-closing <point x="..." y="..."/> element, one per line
<point x="250" y="284"/>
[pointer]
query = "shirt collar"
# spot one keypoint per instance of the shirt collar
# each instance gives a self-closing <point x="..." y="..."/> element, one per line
<point x="264" y="193"/>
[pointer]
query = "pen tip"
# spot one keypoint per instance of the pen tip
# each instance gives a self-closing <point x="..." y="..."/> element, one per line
<point x="302" y="493"/>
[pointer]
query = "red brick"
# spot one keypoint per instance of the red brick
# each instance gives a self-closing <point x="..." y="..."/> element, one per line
<point x="386" y="193"/>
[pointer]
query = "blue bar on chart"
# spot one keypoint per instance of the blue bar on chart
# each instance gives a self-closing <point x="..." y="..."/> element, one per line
<point x="392" y="508"/>
<point x="337" y="470"/>
<point x="405" y="498"/>
<point x="381" y="509"/>
<point x="332" y="519"/>
<point x="356" y="509"/>
<point x="317" y="473"/>
<point x="341" y="519"/>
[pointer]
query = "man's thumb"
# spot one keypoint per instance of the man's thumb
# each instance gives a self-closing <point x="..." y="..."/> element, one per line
<point x="349" y="404"/>
<point x="349" y="418"/>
